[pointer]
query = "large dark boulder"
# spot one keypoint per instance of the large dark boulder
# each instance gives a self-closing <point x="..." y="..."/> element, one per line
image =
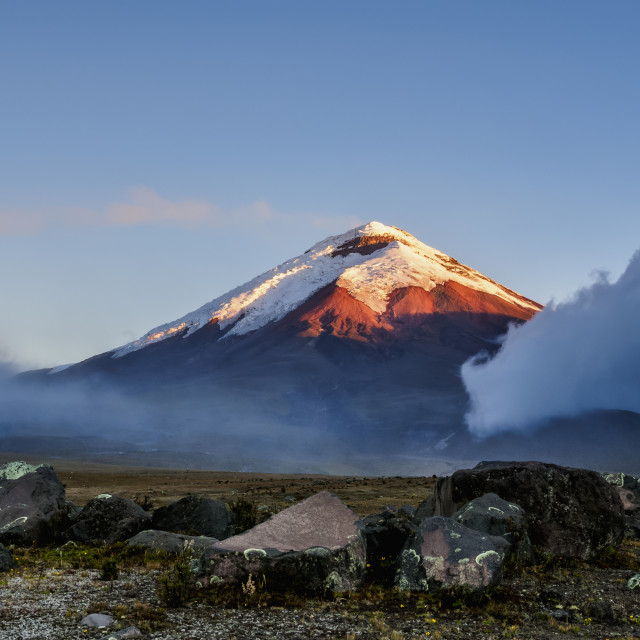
<point x="386" y="533"/>
<point x="445" y="553"/>
<point x="171" y="542"/>
<point x="570" y="512"/>
<point x="108" y="519"/>
<point x="195" y="514"/>
<point x="315" y="546"/>
<point x="29" y="497"/>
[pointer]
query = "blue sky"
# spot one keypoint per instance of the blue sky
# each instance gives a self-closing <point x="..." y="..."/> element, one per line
<point x="155" y="154"/>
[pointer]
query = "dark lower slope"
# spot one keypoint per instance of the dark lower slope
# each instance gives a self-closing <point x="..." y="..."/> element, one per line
<point x="333" y="381"/>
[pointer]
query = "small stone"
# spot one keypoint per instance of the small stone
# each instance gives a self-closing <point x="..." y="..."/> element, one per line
<point x="96" y="620"/>
<point x="129" y="632"/>
<point x="634" y="582"/>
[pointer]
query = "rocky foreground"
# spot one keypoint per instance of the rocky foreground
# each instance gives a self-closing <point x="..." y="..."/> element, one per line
<point x="525" y="550"/>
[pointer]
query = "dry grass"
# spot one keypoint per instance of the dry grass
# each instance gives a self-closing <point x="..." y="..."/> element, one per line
<point x="365" y="495"/>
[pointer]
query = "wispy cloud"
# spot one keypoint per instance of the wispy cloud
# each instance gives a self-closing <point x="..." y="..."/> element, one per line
<point x="143" y="207"/>
<point x="146" y="207"/>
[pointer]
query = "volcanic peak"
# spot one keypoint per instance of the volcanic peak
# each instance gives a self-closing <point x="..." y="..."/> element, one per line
<point x="370" y="262"/>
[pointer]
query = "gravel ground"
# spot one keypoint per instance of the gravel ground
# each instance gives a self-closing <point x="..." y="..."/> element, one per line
<point x="581" y="601"/>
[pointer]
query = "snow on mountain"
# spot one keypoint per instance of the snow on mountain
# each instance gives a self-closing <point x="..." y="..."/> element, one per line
<point x="370" y="262"/>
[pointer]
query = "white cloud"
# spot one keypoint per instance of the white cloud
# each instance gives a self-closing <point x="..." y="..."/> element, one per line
<point x="579" y="356"/>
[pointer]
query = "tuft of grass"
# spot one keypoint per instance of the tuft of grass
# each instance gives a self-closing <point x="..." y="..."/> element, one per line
<point x="109" y="570"/>
<point x="244" y="514"/>
<point x="176" y="587"/>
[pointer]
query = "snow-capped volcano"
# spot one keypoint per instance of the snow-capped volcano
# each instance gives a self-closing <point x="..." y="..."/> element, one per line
<point x="370" y="263"/>
<point x="352" y="349"/>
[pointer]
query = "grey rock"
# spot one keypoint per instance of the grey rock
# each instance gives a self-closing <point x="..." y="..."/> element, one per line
<point x="129" y="632"/>
<point x="314" y="546"/>
<point x="6" y="559"/>
<point x="96" y="620"/>
<point x="109" y="519"/>
<point x="604" y="611"/>
<point x="632" y="527"/>
<point x="426" y="509"/>
<point x="570" y="512"/>
<point x="171" y="542"/>
<point x="29" y="497"/>
<point x="195" y="515"/>
<point x="444" y="553"/>
<point x="634" y="582"/>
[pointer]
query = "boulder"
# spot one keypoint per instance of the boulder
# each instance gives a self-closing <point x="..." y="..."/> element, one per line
<point x="314" y="546"/>
<point x="628" y="488"/>
<point x="170" y="542"/>
<point x="108" y="519"/>
<point x="570" y="512"/>
<point x="195" y="514"/>
<point x="6" y="559"/>
<point x="386" y="533"/>
<point x="426" y="509"/>
<point x="497" y="517"/>
<point x="445" y="553"/>
<point x="29" y="497"/>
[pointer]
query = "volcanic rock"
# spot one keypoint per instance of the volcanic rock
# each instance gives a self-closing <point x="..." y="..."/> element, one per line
<point x="109" y="519"/>
<point x="444" y="553"/>
<point x="314" y="546"/>
<point x="386" y="533"/>
<point x="171" y="542"/>
<point x="6" y="559"/>
<point x="195" y="514"/>
<point x="29" y="497"/>
<point x="570" y="512"/>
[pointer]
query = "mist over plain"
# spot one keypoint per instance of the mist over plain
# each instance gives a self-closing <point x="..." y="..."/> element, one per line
<point x="575" y="357"/>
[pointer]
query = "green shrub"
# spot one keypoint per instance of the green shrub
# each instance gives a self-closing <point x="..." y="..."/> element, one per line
<point x="175" y="587"/>
<point x="109" y="570"/>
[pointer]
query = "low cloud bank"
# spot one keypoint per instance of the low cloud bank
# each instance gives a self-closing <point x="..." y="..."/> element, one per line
<point x="574" y="357"/>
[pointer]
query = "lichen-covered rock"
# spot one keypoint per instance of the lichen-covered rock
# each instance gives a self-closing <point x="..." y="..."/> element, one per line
<point x="497" y="517"/>
<point x="445" y="553"/>
<point x="570" y="512"/>
<point x="171" y="542"/>
<point x="197" y="514"/>
<point x="314" y="546"/>
<point x="108" y="519"/>
<point x="29" y="497"/>
<point x="628" y="488"/>
<point x="6" y="559"/>
<point x="634" y="582"/>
